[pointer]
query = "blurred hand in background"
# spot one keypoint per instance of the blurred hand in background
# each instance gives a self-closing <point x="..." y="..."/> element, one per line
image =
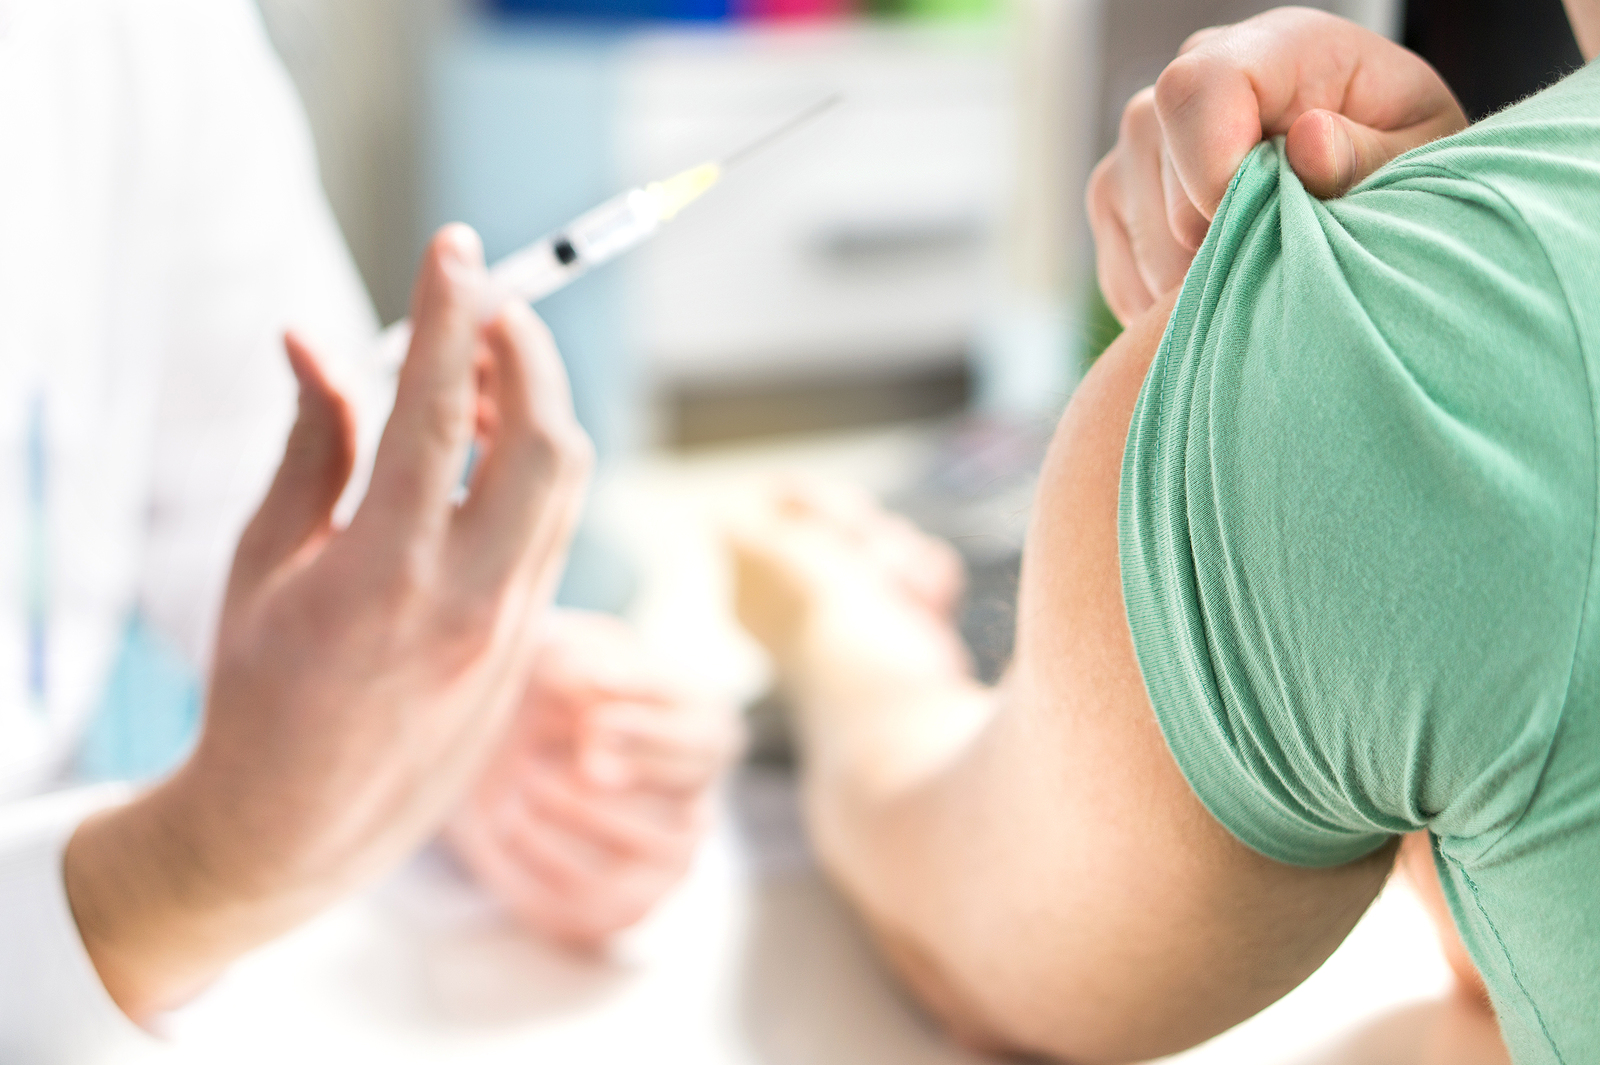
<point x="825" y="575"/>
<point x="590" y="811"/>
<point x="1347" y="99"/>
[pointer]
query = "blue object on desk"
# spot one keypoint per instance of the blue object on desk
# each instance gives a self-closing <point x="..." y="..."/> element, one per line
<point x="618" y="10"/>
<point x="149" y="716"/>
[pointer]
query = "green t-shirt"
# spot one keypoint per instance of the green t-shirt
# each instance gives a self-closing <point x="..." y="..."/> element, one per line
<point x="1358" y="522"/>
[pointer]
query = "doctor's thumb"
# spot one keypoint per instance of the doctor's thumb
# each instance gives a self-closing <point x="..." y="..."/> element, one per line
<point x="317" y="462"/>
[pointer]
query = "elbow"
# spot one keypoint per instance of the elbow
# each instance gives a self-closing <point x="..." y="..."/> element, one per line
<point x="986" y="1004"/>
<point x="947" y="998"/>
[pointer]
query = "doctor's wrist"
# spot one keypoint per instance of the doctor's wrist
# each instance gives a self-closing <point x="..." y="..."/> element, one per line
<point x="159" y="910"/>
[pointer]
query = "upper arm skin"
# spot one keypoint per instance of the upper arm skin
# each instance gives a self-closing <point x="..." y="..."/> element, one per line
<point x="1061" y="888"/>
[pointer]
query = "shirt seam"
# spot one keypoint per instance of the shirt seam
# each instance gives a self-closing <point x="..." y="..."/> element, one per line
<point x="1511" y="965"/>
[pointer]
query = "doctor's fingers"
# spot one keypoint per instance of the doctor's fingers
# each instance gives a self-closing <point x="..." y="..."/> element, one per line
<point x="298" y="508"/>
<point x="527" y="492"/>
<point x="622" y="828"/>
<point x="549" y="892"/>
<point x="535" y="855"/>
<point x="664" y="750"/>
<point x="424" y="446"/>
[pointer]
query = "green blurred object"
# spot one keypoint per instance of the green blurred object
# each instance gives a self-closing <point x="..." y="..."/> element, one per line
<point x="1100" y="328"/>
<point x="148" y="717"/>
<point x="937" y="10"/>
<point x="952" y="9"/>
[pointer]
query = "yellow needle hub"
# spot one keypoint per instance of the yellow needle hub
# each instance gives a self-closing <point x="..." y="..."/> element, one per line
<point x="680" y="190"/>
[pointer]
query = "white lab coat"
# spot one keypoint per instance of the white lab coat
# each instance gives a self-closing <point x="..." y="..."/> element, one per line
<point x="161" y="223"/>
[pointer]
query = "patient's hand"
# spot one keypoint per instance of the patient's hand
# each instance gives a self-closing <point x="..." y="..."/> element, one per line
<point x="856" y="607"/>
<point x="823" y="573"/>
<point x="1348" y="99"/>
<point x="591" y="811"/>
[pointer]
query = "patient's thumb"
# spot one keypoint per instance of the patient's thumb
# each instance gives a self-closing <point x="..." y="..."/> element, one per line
<point x="317" y="461"/>
<point x="1331" y="154"/>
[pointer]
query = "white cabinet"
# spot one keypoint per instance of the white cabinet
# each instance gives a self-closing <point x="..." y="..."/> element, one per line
<point x="865" y="244"/>
<point x="867" y="240"/>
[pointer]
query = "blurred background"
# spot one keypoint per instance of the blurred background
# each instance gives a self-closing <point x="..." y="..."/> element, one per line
<point x="902" y="293"/>
<point x="920" y="252"/>
<point x="900" y="296"/>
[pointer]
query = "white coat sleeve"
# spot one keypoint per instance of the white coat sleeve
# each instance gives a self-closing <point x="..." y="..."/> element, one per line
<point x="53" y="1008"/>
<point x="258" y="252"/>
<point x="255" y="251"/>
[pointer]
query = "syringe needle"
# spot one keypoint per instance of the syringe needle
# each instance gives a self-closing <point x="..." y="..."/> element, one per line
<point x="827" y="103"/>
<point x="602" y="233"/>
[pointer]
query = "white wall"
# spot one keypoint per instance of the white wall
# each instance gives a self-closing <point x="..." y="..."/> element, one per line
<point x="356" y="63"/>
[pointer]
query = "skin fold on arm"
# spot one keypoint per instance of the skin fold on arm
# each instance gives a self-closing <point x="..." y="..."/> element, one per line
<point x="1031" y="859"/>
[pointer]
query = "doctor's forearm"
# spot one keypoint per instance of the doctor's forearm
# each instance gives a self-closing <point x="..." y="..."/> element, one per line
<point x="159" y="911"/>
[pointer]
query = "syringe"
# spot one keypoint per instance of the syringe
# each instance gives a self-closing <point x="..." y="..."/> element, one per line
<point x="599" y="234"/>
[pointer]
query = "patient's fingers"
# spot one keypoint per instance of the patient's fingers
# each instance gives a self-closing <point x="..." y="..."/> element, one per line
<point x="1242" y="83"/>
<point x="1348" y="99"/>
<point x="1121" y="284"/>
<point x="1185" y="224"/>
<point x="927" y="569"/>
<point x="1145" y="228"/>
<point x="1330" y="153"/>
<point x="1145" y="199"/>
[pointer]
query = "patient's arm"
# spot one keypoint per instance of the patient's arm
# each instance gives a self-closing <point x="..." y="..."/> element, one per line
<point x="1030" y="857"/>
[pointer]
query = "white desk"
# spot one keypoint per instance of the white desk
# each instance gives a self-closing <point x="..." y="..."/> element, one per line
<point x="754" y="961"/>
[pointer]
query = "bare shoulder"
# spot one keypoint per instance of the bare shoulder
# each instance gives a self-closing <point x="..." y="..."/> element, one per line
<point x="1152" y="927"/>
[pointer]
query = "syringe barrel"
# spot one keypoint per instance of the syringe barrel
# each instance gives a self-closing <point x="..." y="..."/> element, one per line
<point x="612" y="228"/>
<point x="592" y="238"/>
<point x="532" y="273"/>
<point x="548" y="264"/>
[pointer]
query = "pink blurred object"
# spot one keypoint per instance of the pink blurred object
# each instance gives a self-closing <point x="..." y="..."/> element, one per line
<point x="790" y="10"/>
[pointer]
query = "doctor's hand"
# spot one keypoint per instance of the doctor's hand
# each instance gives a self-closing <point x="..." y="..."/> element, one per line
<point x="592" y="807"/>
<point x="362" y="675"/>
<point x="1348" y="100"/>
